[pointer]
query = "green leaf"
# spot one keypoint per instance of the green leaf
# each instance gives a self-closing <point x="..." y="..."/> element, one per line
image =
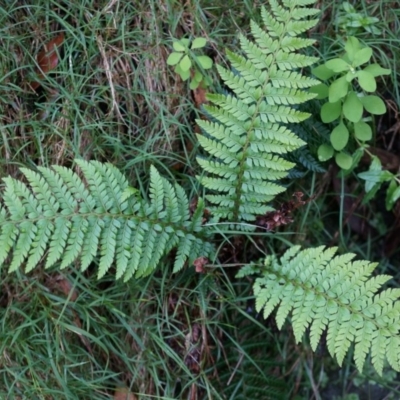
<point x="377" y="70"/>
<point x="174" y="58"/>
<point x="373" y="182"/>
<point x="325" y="152"/>
<point x="205" y="61"/>
<point x="129" y="192"/>
<point x="331" y="111"/>
<point x="185" y="42"/>
<point x="351" y="75"/>
<point x="386" y="176"/>
<point x="337" y="65"/>
<point x="352" y="107"/>
<point x="198" y="43"/>
<point x="193" y="84"/>
<point x="343" y="160"/>
<point x="339" y="137"/>
<point x="348" y="7"/>
<point x="356" y="157"/>
<point x="373" y="104"/>
<point x="185" y="63"/>
<point x="362" y="131"/>
<point x="392" y="194"/>
<point x="198" y="77"/>
<point x="66" y="219"/>
<point x="366" y="81"/>
<point x="179" y="46"/>
<point x="338" y="89"/>
<point x="373" y="29"/>
<point x="185" y="75"/>
<point x="321" y="90"/>
<point x="354" y="23"/>
<point x="323" y="72"/>
<point x="373" y="177"/>
<point x="362" y="56"/>
<point x="376" y="164"/>
<point x="351" y="47"/>
<point x="370" y="194"/>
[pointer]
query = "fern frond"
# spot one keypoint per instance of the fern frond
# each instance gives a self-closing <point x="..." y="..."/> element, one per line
<point x="321" y="292"/>
<point x="60" y="218"/>
<point x="248" y="137"/>
<point x="314" y="133"/>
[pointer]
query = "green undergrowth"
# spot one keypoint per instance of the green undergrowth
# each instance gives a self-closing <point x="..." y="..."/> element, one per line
<point x="68" y="336"/>
<point x="385" y="45"/>
<point x="164" y="336"/>
<point x="111" y="97"/>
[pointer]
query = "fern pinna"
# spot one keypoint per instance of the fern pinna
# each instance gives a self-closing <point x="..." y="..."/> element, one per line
<point x="60" y="219"/>
<point x="248" y="133"/>
<point x="327" y="292"/>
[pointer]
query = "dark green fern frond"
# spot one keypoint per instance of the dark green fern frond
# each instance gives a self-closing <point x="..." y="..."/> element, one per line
<point x="60" y="218"/>
<point x="322" y="292"/>
<point x="304" y="159"/>
<point x="314" y="133"/>
<point x="248" y="133"/>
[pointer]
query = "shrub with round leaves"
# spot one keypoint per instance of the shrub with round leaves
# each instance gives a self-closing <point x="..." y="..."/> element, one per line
<point x="349" y="92"/>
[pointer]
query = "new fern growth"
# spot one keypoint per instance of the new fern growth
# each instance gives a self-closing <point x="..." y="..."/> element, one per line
<point x="61" y="219"/>
<point x="249" y="132"/>
<point x="322" y="292"/>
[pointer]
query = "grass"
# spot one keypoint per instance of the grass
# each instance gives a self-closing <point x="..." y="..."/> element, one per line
<point x="69" y="336"/>
<point x="113" y="98"/>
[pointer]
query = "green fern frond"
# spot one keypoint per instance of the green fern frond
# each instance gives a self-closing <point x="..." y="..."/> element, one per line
<point x="321" y="292"/>
<point x="60" y="218"/>
<point x="248" y="137"/>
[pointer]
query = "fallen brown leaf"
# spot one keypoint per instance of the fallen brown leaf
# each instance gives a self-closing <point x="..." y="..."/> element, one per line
<point x="47" y="58"/>
<point x="199" y="96"/>
<point x="123" y="393"/>
<point x="64" y="285"/>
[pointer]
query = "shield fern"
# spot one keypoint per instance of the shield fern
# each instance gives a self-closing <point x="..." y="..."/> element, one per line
<point x="60" y="219"/>
<point x="249" y="132"/>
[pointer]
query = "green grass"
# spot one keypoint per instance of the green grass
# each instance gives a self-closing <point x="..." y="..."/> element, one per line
<point x="67" y="336"/>
<point x="113" y="98"/>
